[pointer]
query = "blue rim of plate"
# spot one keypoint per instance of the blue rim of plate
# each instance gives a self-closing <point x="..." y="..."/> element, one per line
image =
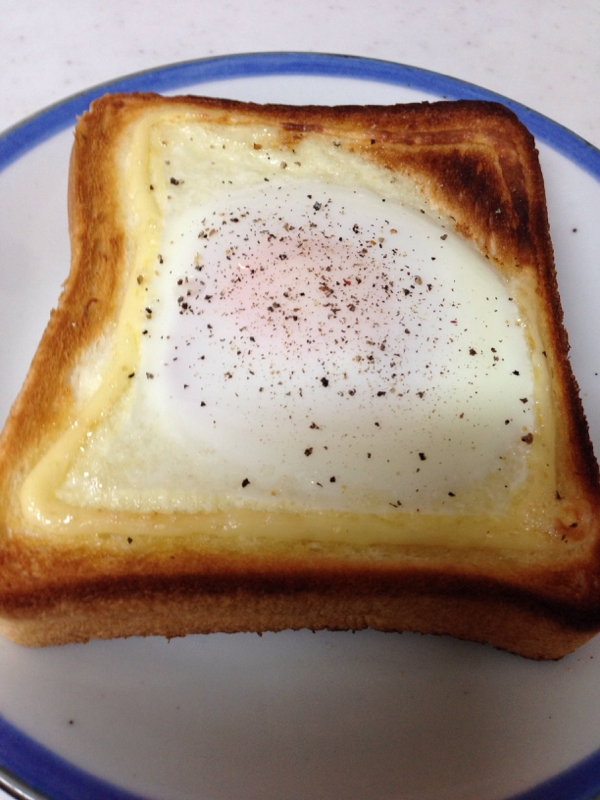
<point x="17" y="140"/>
<point x="30" y="771"/>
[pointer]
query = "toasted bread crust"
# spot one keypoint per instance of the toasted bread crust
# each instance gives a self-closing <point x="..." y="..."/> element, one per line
<point x="475" y="163"/>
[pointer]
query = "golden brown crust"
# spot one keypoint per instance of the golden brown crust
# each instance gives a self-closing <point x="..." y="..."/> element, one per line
<point x="174" y="613"/>
<point x="475" y="163"/>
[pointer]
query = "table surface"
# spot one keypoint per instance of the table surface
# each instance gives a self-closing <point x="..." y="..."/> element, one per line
<point x="542" y="53"/>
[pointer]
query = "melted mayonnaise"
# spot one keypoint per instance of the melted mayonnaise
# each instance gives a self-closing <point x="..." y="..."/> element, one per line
<point x="305" y="339"/>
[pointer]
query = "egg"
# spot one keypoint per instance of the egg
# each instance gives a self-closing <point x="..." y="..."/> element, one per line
<point x="309" y="337"/>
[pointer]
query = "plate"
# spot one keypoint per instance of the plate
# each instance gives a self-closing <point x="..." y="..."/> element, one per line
<point x="286" y="716"/>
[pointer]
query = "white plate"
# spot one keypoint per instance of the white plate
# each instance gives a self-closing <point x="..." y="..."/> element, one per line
<point x="290" y="716"/>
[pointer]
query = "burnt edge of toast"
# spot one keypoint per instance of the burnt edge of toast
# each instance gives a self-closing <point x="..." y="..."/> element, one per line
<point x="484" y="165"/>
<point x="323" y="582"/>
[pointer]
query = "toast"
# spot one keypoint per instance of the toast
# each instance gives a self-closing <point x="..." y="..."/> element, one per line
<point x="308" y="369"/>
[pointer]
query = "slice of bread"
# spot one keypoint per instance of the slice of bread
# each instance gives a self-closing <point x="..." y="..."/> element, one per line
<point x="308" y="370"/>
